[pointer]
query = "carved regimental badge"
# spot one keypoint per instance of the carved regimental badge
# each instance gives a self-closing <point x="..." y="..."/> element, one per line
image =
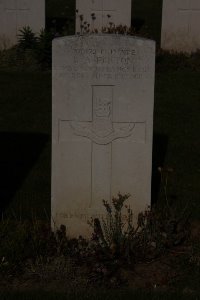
<point x="102" y="130"/>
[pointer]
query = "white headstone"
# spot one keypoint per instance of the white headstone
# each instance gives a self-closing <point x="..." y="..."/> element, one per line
<point x="105" y="11"/>
<point x="16" y="14"/>
<point x="103" y="95"/>
<point x="181" y="25"/>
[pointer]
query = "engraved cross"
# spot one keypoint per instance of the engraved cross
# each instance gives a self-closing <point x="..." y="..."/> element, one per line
<point x="101" y="131"/>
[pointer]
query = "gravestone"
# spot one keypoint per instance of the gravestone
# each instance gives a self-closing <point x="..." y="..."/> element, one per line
<point x="181" y="25"/>
<point x="105" y="11"/>
<point x="16" y="14"/>
<point x="103" y="94"/>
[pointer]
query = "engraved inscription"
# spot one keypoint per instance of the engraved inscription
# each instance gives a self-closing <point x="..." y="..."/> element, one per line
<point x="85" y="216"/>
<point x="109" y="64"/>
<point x="102" y="125"/>
<point x="78" y="215"/>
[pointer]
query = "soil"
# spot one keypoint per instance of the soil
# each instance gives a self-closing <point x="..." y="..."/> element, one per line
<point x="159" y="274"/>
<point x="165" y="273"/>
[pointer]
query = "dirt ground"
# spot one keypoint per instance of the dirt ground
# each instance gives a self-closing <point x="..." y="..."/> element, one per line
<point x="166" y="273"/>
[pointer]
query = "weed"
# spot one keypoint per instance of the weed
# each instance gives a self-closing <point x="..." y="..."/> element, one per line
<point x="110" y="28"/>
<point x="112" y="233"/>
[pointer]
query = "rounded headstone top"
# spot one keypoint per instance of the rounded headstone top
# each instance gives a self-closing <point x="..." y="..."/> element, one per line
<point x="113" y="37"/>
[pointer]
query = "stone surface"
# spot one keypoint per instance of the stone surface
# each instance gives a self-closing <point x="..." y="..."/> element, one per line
<point x="15" y="14"/>
<point x="103" y="94"/>
<point x="181" y="25"/>
<point x="119" y="12"/>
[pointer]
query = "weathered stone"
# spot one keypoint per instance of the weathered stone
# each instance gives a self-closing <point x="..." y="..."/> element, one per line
<point x="16" y="14"/>
<point x="100" y="13"/>
<point x="181" y="25"/>
<point x="103" y="94"/>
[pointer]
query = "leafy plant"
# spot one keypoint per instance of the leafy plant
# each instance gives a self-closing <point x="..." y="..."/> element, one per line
<point x="44" y="48"/>
<point x="116" y="243"/>
<point x="27" y="38"/>
<point x="112" y="233"/>
<point x="40" y="48"/>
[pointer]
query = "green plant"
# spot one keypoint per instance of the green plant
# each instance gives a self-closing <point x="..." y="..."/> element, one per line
<point x="35" y="48"/>
<point x="113" y="234"/>
<point x="44" y="48"/>
<point x="27" y="38"/>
